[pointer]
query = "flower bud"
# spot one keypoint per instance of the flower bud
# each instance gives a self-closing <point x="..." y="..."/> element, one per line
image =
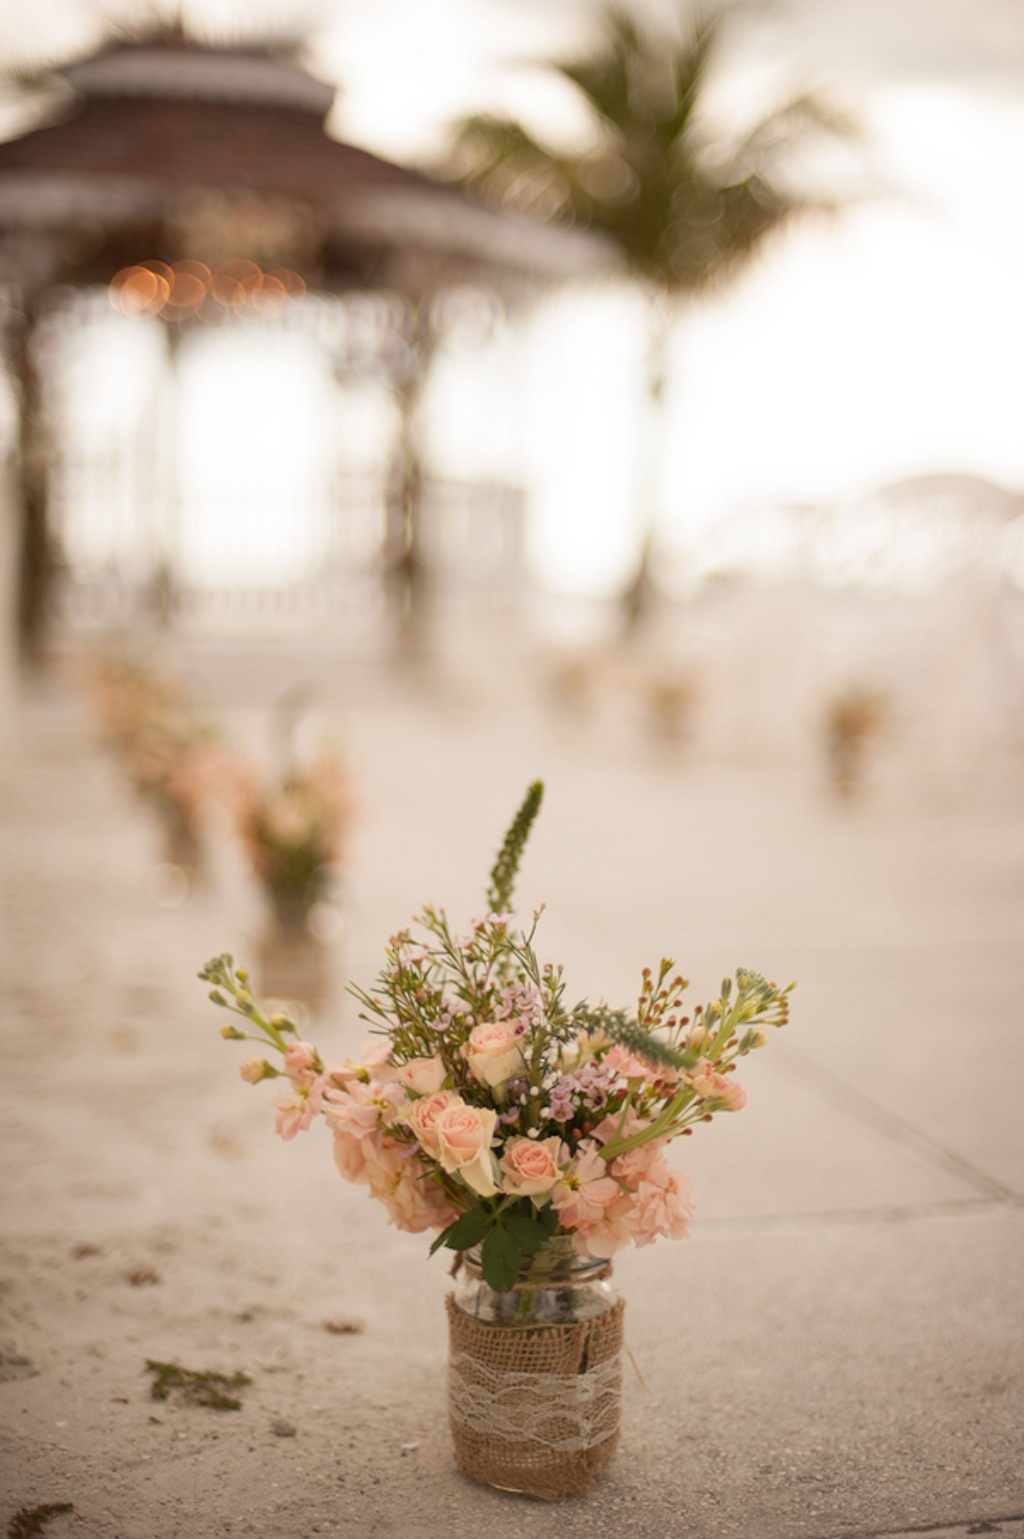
<point x="696" y="1038"/>
<point x="232" y="1034"/>
<point x="755" y="1037"/>
<point x="243" y="999"/>
<point x="255" y="1069"/>
<point x="217" y="997"/>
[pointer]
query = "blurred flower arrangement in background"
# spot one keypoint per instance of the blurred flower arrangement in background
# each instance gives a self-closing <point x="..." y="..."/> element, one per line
<point x="294" y="830"/>
<point x="854" y="720"/>
<point x="172" y="757"/>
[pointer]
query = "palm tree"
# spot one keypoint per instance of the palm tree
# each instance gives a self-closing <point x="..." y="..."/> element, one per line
<point x="685" y="211"/>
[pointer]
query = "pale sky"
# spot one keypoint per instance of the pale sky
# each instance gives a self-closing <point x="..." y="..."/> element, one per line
<point x="883" y="345"/>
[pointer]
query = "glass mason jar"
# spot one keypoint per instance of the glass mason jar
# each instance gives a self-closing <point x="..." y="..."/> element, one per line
<point x="535" y="1377"/>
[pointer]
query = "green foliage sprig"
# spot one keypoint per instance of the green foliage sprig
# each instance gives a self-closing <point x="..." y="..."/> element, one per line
<point x="503" y="876"/>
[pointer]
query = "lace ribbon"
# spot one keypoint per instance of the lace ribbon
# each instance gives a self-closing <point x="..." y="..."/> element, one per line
<point x="561" y="1413"/>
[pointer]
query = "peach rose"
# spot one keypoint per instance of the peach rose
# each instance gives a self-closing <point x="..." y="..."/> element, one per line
<point x="531" y="1165"/>
<point x="422" y="1117"/>
<point x="464" y="1134"/>
<point x="493" y="1052"/>
<point x="422" y="1075"/>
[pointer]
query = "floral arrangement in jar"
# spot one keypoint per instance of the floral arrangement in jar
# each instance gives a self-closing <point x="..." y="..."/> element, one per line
<point x="530" y="1137"/>
<point x="172" y="758"/>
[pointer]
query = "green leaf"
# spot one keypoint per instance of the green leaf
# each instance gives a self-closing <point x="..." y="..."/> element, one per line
<point x="469" y="1230"/>
<point x="442" y="1238"/>
<point x="527" y="1232"/>
<point x="501" y="1259"/>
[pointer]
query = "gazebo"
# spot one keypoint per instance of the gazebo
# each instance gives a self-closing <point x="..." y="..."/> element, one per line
<point x="188" y="175"/>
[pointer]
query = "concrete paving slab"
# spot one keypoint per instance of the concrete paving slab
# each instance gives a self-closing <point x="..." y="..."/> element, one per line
<point x="837" y="1353"/>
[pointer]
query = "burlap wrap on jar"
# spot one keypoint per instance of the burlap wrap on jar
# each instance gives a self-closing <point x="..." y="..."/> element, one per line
<point x="535" y="1408"/>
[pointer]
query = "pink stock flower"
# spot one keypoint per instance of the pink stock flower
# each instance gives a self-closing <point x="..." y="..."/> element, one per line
<point x="530" y="1166"/>
<point x="585" y="1191"/>
<point x="661" y="1209"/>
<point x="372" y="1064"/>
<point x="299" y="1058"/>
<point x="297" y="1107"/>
<point x="413" y="1201"/>
<point x="356" y="1114"/>
<point x="632" y="1066"/>
<point x="620" y="1125"/>
<point x="712" y="1086"/>
<point x="493" y="1052"/>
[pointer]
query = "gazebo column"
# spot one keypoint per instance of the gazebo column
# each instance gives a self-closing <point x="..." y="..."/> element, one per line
<point x="35" y="566"/>
<point x="408" y="581"/>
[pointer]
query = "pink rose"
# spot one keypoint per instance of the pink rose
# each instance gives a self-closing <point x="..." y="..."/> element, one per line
<point x="422" y="1116"/>
<point x="531" y="1165"/>
<point x="422" y="1075"/>
<point x="464" y="1135"/>
<point x="493" y="1052"/>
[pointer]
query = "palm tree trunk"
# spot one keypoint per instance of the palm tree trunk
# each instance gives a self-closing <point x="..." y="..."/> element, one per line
<point x="640" y="598"/>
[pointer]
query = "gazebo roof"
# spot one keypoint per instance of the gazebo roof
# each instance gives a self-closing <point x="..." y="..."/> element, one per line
<point x="150" y="128"/>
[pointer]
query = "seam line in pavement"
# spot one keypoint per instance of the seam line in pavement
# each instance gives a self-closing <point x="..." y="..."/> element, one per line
<point x="954" y="1208"/>
<point x="958" y="1526"/>
<point x="859" y="1106"/>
